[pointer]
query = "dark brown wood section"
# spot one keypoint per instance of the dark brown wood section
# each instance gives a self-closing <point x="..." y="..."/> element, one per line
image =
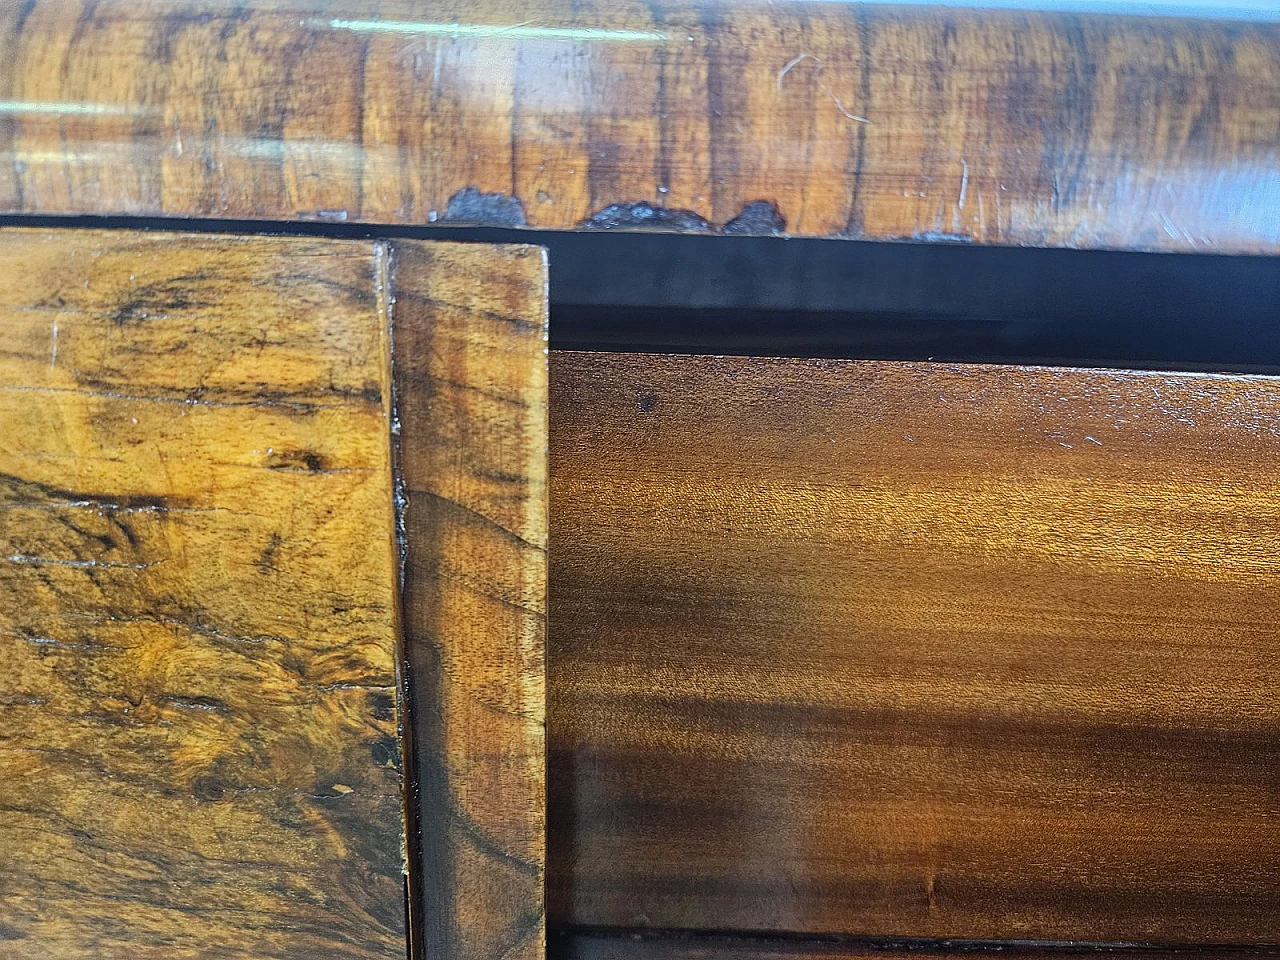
<point x="619" y="945"/>
<point x="913" y="650"/>
<point x="812" y="118"/>
<point x="471" y="377"/>
<point x="199" y="754"/>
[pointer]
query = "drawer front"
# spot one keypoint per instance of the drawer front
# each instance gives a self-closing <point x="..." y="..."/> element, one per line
<point x="206" y="744"/>
<point x="914" y="650"/>
<point x="199" y="752"/>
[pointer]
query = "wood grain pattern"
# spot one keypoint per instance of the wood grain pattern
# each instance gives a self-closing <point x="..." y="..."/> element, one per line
<point x="813" y="118"/>
<point x="471" y="379"/>
<point x="617" y="945"/>
<point x="915" y="650"/>
<point x="198" y="723"/>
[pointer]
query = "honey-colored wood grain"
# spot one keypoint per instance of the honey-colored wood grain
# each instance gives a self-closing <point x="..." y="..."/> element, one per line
<point x="813" y="118"/>
<point x="198" y="721"/>
<point x="470" y="340"/>
<point x="914" y="650"/>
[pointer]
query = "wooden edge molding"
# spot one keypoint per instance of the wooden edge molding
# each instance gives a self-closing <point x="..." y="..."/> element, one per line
<point x="470" y="370"/>
<point x="624" y="945"/>
<point x="808" y="118"/>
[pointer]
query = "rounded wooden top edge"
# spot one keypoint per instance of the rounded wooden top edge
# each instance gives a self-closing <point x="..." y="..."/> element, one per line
<point x="876" y="122"/>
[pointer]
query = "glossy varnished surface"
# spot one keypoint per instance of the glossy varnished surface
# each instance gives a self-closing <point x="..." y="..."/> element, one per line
<point x="913" y="650"/>
<point x="819" y="119"/>
<point x="198" y="722"/>
<point x="471" y="379"/>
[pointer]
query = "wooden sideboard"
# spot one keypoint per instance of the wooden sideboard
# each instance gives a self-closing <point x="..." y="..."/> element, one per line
<point x="344" y="619"/>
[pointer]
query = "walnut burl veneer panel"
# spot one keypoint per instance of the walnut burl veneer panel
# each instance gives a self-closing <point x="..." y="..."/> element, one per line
<point x="914" y="650"/>
<point x="199" y="752"/>
<point x="471" y="380"/>
<point x="812" y="118"/>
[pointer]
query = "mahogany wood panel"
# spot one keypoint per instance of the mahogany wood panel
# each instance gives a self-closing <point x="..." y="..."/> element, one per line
<point x="199" y="754"/>
<point x="812" y="118"/>
<point x="471" y="377"/>
<point x="913" y="650"/>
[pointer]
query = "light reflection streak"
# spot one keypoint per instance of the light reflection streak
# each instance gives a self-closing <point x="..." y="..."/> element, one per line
<point x="73" y="109"/>
<point x="496" y="31"/>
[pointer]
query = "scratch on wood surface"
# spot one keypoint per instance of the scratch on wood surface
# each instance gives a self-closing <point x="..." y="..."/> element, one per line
<point x="791" y="63"/>
<point x="822" y="84"/>
<point x="79" y="564"/>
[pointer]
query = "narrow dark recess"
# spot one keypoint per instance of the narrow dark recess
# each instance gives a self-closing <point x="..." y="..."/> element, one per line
<point x="667" y="292"/>
<point x="604" y="943"/>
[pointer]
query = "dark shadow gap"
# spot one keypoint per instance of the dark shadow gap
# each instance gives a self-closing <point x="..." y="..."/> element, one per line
<point x="663" y="292"/>
<point x="608" y="943"/>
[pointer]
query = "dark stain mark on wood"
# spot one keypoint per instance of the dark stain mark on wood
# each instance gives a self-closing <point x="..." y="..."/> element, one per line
<point x="15" y="490"/>
<point x="471" y="206"/>
<point x="758" y="218"/>
<point x="382" y="706"/>
<point x="266" y="561"/>
<point x="307" y="460"/>
<point x="172" y="295"/>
